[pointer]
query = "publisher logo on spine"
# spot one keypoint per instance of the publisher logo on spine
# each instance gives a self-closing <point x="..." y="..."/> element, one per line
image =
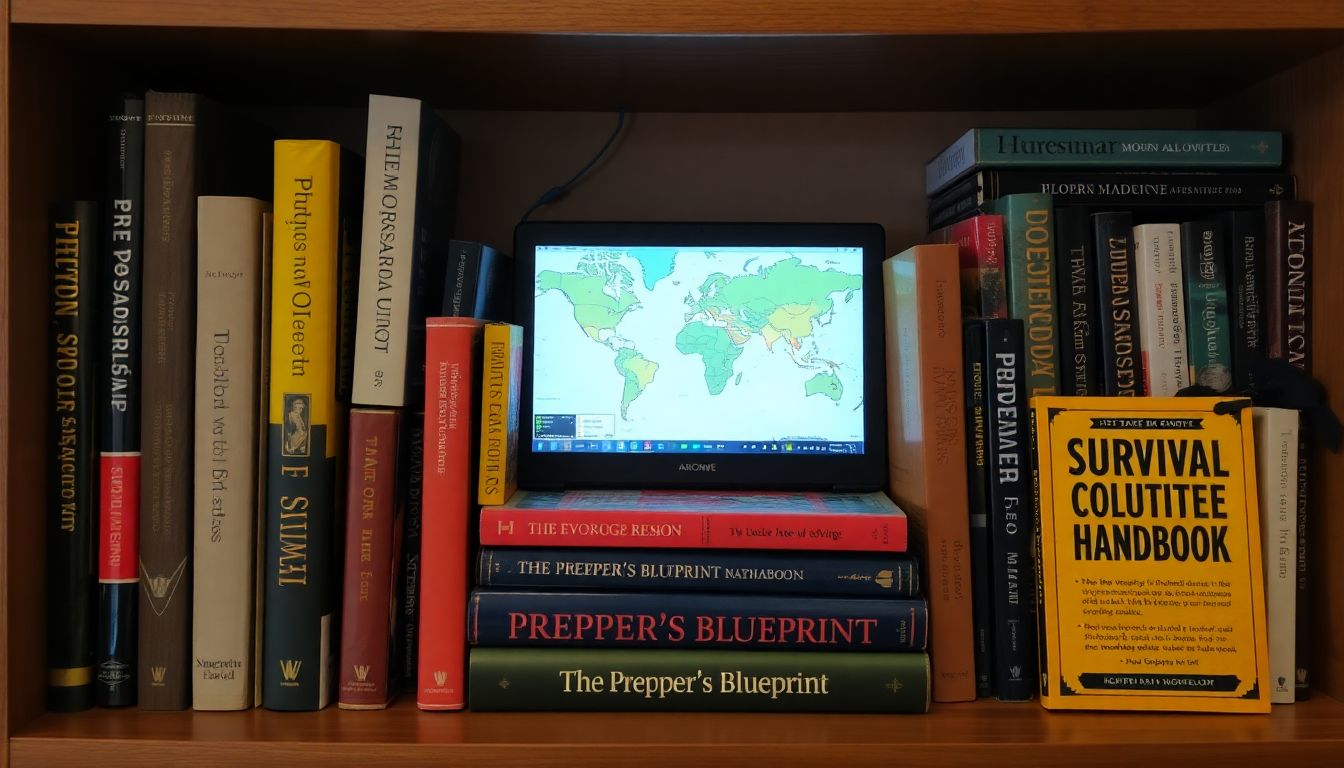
<point x="362" y="672"/>
<point x="289" y="670"/>
<point x="156" y="675"/>
<point x="440" y="677"/>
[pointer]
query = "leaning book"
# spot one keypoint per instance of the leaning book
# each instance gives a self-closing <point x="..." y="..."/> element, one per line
<point x="1151" y="581"/>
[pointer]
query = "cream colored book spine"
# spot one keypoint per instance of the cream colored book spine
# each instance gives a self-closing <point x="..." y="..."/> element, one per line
<point x="1276" y="477"/>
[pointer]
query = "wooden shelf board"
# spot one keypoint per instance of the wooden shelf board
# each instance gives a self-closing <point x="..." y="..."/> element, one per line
<point x="962" y="734"/>
<point x="696" y="17"/>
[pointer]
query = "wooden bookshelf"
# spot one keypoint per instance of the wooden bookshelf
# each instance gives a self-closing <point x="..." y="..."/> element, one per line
<point x="765" y="109"/>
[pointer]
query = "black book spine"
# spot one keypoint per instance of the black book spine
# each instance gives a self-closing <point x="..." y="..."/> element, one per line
<point x="1209" y="326"/>
<point x="71" y="491"/>
<point x="1114" y="253"/>
<point x="350" y="210"/>
<point x="119" y="405"/>
<point x="1118" y="189"/>
<point x="459" y="285"/>
<point x="1246" y="287"/>
<point x="410" y="469"/>
<point x="973" y="352"/>
<point x="1079" y="317"/>
<point x="494" y="286"/>
<point x="1010" y="511"/>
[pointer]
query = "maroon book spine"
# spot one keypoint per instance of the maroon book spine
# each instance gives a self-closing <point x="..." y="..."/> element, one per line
<point x="371" y="539"/>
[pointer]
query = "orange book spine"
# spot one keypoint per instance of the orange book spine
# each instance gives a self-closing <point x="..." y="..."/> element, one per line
<point x="452" y="348"/>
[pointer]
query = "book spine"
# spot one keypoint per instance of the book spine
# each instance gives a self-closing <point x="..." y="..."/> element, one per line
<point x="494" y="286"/>
<point x="1246" y="275"/>
<point x="71" y="492"/>
<point x="1116" y="189"/>
<point x="119" y="402"/>
<point x="980" y="249"/>
<point x="460" y="279"/>
<point x="262" y="414"/>
<point x="823" y="531"/>
<point x="1121" y="359"/>
<point x="1075" y="263"/>
<point x="410" y="478"/>
<point x="973" y="350"/>
<point x="350" y="224"/>
<point x="388" y="252"/>
<point x="1157" y="258"/>
<point x="582" y="679"/>
<point x="370" y="551"/>
<point x="228" y="313"/>
<point x="302" y="430"/>
<point x="858" y="575"/>
<point x="674" y="619"/>
<point x="1204" y="250"/>
<point x="1010" y="512"/>
<point x="451" y="366"/>
<point x="1288" y="336"/>
<point x="952" y="163"/>
<point x="1276" y="436"/>
<point x="1134" y="148"/>
<point x="172" y="173"/>
<point x="500" y="385"/>
<point x="1029" y="233"/>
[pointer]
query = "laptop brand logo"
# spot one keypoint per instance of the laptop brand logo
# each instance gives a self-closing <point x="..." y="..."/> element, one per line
<point x="688" y="467"/>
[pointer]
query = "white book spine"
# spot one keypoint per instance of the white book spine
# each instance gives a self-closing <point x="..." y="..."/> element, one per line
<point x="1276" y="431"/>
<point x="391" y="166"/>
<point x="1162" y="329"/>
<point x="228" y="316"/>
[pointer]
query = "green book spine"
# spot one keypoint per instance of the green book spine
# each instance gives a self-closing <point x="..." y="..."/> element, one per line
<point x="1204" y="249"/>
<point x="533" y="679"/>
<point x="1028" y="223"/>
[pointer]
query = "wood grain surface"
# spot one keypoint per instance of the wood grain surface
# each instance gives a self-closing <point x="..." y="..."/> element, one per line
<point x="912" y="17"/>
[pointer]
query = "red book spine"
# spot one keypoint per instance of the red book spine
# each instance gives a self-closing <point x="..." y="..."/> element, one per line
<point x="451" y="372"/>
<point x="370" y="559"/>
<point x="979" y="242"/>
<point x="511" y="527"/>
<point x="119" y="518"/>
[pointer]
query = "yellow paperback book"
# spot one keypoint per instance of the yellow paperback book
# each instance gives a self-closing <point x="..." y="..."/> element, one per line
<point x="1151" y="584"/>
<point x="501" y="382"/>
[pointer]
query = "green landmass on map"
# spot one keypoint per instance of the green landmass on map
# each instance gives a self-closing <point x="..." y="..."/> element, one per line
<point x="638" y="372"/>
<point x="716" y="350"/>
<point x="827" y="384"/>
<point x="595" y="309"/>
<point x="783" y="300"/>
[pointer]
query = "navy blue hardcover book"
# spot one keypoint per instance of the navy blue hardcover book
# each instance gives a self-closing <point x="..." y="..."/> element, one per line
<point x="795" y="573"/>
<point x="690" y="620"/>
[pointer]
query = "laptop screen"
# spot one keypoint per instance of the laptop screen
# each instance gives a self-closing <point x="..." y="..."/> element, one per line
<point x="698" y="349"/>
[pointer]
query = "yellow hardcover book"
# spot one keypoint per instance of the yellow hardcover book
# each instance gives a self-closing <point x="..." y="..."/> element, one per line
<point x="1151" y="584"/>
<point x="304" y="431"/>
<point x="501" y="380"/>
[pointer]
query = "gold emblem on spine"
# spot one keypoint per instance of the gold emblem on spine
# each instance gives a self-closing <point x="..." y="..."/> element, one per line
<point x="157" y="674"/>
<point x="289" y="669"/>
<point x="362" y="672"/>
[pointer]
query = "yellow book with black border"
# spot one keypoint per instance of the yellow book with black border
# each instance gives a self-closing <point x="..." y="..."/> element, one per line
<point x="501" y="380"/>
<point x="1152" y="589"/>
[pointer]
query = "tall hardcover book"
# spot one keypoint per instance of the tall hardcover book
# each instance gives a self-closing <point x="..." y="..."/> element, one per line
<point x="694" y="620"/>
<point x="1276" y="435"/>
<point x="1118" y="300"/>
<point x="263" y="420"/>
<point x="977" y="487"/>
<point x="452" y="368"/>
<point x="410" y="191"/>
<point x="228" y="329"/>
<point x="119" y="404"/>
<point x="501" y="390"/>
<point x="1011" y="516"/>
<point x="173" y="141"/>
<point x="603" y="679"/>
<point x="1162" y="320"/>
<point x="1079" y="316"/>
<point x="1101" y="148"/>
<point x="304" y="428"/>
<point x="372" y="539"/>
<point x="1028" y="222"/>
<point x="1205" y="255"/>
<point x="980" y="248"/>
<point x="860" y="574"/>
<point x="1246" y="291"/>
<point x="410" y="494"/>
<point x="927" y="450"/>
<point x="1290" y="243"/>
<point x="861" y="522"/>
<point x="71" y="491"/>
<point x="1149" y="504"/>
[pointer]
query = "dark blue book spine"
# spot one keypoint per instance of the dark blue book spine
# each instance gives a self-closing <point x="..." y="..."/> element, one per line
<point x="973" y="353"/>
<point x="1246" y="292"/>
<point x="690" y="620"/>
<point x="1080" y="368"/>
<point x="1011" y="515"/>
<point x="795" y="573"/>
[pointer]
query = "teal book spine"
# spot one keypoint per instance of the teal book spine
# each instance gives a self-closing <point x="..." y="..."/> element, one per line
<point x="1102" y="148"/>
<point x="1029" y="231"/>
<point x="604" y="680"/>
<point x="1209" y="344"/>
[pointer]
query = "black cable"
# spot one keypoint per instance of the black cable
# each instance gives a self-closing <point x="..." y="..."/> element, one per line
<point x="556" y="193"/>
